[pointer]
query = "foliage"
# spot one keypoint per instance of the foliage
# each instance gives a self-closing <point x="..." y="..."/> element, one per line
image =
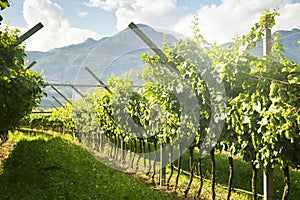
<point x="60" y="119"/>
<point x="263" y="93"/>
<point x="20" y="88"/>
<point x="3" y="4"/>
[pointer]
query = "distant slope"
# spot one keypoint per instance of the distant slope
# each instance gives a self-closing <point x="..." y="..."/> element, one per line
<point x="116" y="55"/>
<point x="63" y="64"/>
<point x="290" y="41"/>
<point x="112" y="55"/>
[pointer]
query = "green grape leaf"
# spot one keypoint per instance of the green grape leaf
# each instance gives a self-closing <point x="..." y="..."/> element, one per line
<point x="4" y="4"/>
<point x="257" y="107"/>
<point x="294" y="79"/>
<point x="246" y="120"/>
<point x="287" y="135"/>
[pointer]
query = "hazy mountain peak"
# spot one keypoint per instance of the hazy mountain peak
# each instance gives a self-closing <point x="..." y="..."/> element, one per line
<point x="89" y="41"/>
<point x="117" y="54"/>
<point x="142" y="26"/>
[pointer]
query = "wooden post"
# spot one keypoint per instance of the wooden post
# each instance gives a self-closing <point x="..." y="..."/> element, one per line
<point x="29" y="33"/>
<point x="269" y="193"/>
<point x="97" y="79"/>
<point x="54" y="106"/>
<point x="58" y="101"/>
<point x="65" y="98"/>
<point x="76" y="90"/>
<point x="122" y="152"/>
<point x="267" y="42"/>
<point x="31" y="65"/>
<point x="162" y="171"/>
<point x="152" y="46"/>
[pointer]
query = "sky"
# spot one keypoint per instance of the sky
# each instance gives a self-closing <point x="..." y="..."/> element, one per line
<point x="69" y="22"/>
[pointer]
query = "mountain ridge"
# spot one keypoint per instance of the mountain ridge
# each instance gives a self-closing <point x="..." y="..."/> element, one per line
<point x="109" y="55"/>
<point x="116" y="55"/>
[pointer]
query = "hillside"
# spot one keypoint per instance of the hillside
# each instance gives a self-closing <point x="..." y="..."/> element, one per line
<point x="290" y="41"/>
<point x="117" y="55"/>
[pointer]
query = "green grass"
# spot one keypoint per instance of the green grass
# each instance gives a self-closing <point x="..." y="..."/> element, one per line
<point x="42" y="166"/>
<point x="48" y="166"/>
<point x="243" y="174"/>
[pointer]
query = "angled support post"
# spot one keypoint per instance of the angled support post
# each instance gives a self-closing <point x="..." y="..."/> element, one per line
<point x="76" y="90"/>
<point x="65" y="98"/>
<point x="58" y="101"/>
<point x="97" y="79"/>
<point x="54" y="106"/>
<point x="29" y="33"/>
<point x="30" y="65"/>
<point x="154" y="48"/>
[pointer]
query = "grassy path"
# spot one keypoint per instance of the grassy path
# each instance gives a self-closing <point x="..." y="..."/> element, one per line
<point x="41" y="166"/>
<point x="5" y="149"/>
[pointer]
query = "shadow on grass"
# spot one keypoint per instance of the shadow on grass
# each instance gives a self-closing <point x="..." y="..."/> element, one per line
<point x="57" y="169"/>
<point x="35" y="133"/>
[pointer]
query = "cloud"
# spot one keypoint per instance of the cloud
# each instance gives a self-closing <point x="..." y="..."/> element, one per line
<point x="57" y="31"/>
<point x="221" y="22"/>
<point x="289" y="17"/>
<point x="108" y="5"/>
<point x="155" y="13"/>
<point x="82" y="14"/>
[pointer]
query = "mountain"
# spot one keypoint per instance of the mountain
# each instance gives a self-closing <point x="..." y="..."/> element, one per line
<point x="117" y="55"/>
<point x="290" y="41"/>
<point x="111" y="55"/>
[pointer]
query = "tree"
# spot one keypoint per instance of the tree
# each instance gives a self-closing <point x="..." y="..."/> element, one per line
<point x="3" y="5"/>
<point x="20" y="88"/>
